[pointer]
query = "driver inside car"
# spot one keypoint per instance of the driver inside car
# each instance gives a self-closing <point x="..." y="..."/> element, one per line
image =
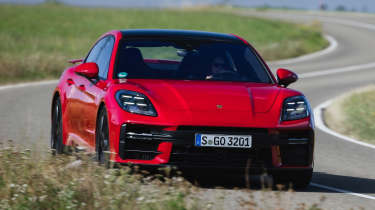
<point x="218" y="68"/>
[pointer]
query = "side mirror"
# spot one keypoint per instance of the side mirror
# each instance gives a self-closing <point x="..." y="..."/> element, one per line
<point x="89" y="70"/>
<point x="286" y="77"/>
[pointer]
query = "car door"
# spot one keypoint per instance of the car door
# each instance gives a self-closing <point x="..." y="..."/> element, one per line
<point x="92" y="93"/>
<point x="77" y="99"/>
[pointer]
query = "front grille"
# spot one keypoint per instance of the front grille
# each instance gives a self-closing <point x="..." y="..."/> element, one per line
<point x="141" y="142"/>
<point x="220" y="157"/>
<point x="140" y="155"/>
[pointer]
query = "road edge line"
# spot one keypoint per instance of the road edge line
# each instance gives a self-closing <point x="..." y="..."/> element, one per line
<point x="28" y="84"/>
<point x="359" y="67"/>
<point x="319" y="123"/>
<point x="333" y="44"/>
<point x="342" y="191"/>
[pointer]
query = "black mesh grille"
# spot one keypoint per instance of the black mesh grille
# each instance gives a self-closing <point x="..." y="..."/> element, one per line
<point x="225" y="157"/>
<point x="145" y="145"/>
<point x="140" y="155"/>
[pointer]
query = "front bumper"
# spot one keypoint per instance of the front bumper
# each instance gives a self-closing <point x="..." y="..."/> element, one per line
<point x="272" y="149"/>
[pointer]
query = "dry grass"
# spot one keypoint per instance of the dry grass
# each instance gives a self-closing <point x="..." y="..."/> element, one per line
<point x="353" y="114"/>
<point x="28" y="181"/>
<point x="72" y="182"/>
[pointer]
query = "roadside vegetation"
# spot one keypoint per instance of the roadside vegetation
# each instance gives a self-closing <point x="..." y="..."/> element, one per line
<point x="37" y="41"/>
<point x="74" y="181"/>
<point x="354" y="114"/>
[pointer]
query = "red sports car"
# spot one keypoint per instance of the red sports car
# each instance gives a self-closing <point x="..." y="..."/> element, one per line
<point x="189" y="99"/>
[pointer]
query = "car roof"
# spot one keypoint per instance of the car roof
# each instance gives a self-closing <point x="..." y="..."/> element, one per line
<point x="178" y="34"/>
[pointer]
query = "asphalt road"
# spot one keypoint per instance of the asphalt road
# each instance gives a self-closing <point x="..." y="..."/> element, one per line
<point x="24" y="117"/>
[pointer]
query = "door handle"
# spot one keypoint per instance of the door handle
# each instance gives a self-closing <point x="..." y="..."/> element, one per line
<point x="70" y="82"/>
<point x="82" y="87"/>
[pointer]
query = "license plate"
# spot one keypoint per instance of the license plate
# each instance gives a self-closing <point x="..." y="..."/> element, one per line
<point x="220" y="140"/>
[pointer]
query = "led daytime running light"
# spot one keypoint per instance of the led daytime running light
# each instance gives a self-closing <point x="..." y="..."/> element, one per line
<point x="135" y="102"/>
<point x="295" y="108"/>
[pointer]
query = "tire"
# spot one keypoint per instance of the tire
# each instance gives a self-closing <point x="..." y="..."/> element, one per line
<point x="295" y="179"/>
<point x="102" y="139"/>
<point x="57" y="145"/>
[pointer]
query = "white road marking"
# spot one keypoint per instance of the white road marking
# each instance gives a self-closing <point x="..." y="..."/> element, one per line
<point x="349" y="23"/>
<point x="319" y="123"/>
<point x="332" y="46"/>
<point x="342" y="191"/>
<point x="337" y="70"/>
<point x="348" y="68"/>
<point x="318" y="111"/>
<point x="28" y="84"/>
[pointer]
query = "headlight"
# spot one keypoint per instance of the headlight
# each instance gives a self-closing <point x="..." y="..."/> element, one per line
<point x="295" y="108"/>
<point x="135" y="102"/>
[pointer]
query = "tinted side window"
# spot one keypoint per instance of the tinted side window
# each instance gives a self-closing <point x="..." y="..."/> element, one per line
<point x="101" y="55"/>
<point x="95" y="51"/>
<point x="105" y="57"/>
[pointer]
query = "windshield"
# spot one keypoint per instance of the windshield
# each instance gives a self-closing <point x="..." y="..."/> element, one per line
<point x="189" y="60"/>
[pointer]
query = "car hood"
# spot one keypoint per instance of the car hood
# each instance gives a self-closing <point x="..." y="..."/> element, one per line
<point x="233" y="102"/>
